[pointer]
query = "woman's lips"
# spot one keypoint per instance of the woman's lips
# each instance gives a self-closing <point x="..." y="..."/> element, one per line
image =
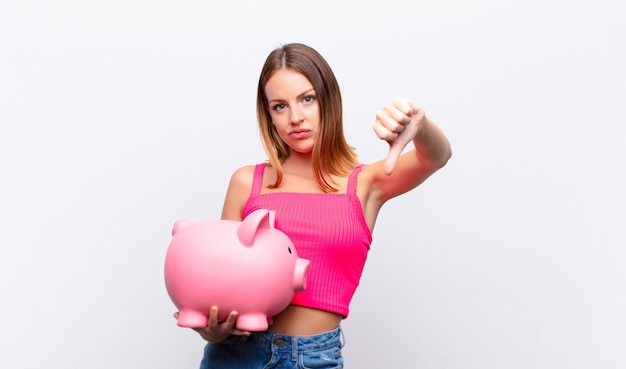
<point x="299" y="133"/>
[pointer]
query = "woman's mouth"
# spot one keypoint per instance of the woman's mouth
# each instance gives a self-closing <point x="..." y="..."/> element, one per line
<point x="300" y="133"/>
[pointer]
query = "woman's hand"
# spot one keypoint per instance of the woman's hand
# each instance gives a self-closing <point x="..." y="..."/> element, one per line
<point x="216" y="331"/>
<point x="398" y="123"/>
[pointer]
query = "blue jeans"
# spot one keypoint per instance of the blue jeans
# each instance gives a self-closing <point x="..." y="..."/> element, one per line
<point x="268" y="349"/>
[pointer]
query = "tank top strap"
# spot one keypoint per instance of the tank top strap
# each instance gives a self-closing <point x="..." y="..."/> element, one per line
<point x="257" y="181"/>
<point x="352" y="179"/>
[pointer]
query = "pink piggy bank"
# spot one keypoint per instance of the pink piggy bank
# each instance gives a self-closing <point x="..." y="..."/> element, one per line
<point x="248" y="266"/>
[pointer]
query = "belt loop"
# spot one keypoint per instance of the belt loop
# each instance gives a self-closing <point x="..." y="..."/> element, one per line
<point x="294" y="348"/>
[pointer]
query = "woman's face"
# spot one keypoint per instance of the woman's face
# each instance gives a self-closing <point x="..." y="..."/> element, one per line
<point x="294" y="109"/>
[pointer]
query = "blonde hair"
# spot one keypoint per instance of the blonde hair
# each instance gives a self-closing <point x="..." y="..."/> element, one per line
<point x="331" y="153"/>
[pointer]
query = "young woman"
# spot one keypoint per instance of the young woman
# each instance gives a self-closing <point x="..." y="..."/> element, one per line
<point x="325" y="201"/>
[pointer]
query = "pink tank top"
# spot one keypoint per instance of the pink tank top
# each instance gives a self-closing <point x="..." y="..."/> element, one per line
<point x="328" y="229"/>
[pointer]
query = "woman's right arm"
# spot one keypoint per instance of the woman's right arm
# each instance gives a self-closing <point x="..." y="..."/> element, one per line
<point x="237" y="193"/>
<point x="236" y="197"/>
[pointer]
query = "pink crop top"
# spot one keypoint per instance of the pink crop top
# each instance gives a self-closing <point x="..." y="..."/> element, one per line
<point x="329" y="230"/>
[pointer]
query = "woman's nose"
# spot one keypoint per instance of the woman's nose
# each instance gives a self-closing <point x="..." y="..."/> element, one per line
<point x="296" y="115"/>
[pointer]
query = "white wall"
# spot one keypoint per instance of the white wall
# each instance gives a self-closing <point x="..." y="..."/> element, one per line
<point x="119" y="117"/>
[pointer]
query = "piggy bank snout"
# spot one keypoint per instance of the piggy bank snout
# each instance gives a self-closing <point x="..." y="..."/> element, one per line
<point x="299" y="274"/>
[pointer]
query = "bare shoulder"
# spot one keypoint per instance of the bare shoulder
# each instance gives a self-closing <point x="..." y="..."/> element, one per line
<point x="366" y="186"/>
<point x="243" y="176"/>
<point x="369" y="175"/>
<point x="238" y="192"/>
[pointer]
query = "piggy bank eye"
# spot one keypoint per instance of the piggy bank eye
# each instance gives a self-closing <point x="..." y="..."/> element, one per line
<point x="289" y="248"/>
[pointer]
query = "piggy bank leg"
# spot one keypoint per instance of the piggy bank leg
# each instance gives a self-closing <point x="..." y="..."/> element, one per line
<point x="254" y="322"/>
<point x="192" y="319"/>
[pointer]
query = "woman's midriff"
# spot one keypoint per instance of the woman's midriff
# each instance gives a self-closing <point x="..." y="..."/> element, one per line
<point x="302" y="321"/>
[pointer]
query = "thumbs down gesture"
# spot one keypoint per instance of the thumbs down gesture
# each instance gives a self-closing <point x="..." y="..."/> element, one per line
<point x="398" y="123"/>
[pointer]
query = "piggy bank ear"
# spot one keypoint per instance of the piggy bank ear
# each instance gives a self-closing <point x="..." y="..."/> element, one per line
<point x="180" y="224"/>
<point x="261" y="218"/>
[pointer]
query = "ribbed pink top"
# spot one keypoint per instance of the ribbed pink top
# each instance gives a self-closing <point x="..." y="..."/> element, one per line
<point x="329" y="230"/>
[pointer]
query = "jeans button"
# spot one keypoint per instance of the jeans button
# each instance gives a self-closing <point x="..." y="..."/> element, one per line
<point x="281" y="342"/>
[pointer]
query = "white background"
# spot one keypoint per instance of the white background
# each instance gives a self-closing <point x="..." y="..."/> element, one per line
<point x="119" y="117"/>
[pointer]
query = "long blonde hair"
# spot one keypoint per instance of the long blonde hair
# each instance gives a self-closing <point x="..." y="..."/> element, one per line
<point x="331" y="153"/>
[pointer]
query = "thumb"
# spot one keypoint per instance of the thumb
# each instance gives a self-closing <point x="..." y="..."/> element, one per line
<point x="398" y="144"/>
<point x="395" y="149"/>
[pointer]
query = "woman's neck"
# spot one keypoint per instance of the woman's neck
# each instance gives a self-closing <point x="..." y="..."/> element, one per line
<point x="301" y="164"/>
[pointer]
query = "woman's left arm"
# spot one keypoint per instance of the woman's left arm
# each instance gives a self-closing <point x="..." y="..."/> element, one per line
<point x="399" y="123"/>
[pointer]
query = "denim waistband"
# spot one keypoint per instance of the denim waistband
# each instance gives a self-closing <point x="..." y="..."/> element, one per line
<point x="281" y="342"/>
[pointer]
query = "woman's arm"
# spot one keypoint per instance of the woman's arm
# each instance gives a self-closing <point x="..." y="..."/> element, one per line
<point x="399" y="123"/>
<point x="237" y="193"/>
<point x="236" y="196"/>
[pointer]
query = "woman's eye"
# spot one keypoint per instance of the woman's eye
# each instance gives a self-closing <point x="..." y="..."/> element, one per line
<point x="309" y="98"/>
<point x="279" y="107"/>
